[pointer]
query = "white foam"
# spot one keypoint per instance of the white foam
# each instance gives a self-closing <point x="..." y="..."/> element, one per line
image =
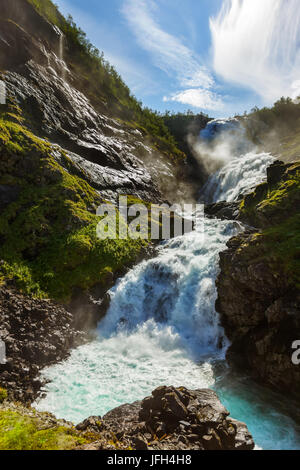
<point x="242" y="174"/>
<point x="160" y="329"/>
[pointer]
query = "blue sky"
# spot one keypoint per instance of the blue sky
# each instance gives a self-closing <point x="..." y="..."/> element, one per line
<point x="217" y="56"/>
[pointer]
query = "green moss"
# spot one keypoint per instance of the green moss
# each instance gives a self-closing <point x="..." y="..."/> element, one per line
<point x="3" y="395"/>
<point x="49" y="243"/>
<point x="19" y="432"/>
<point x="283" y="248"/>
<point x="273" y="203"/>
<point x="275" y="208"/>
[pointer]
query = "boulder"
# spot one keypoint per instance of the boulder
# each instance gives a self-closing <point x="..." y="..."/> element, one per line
<point x="173" y="419"/>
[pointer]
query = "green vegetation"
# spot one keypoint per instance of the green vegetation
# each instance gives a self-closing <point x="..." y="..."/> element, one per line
<point x="48" y="9"/>
<point x="290" y="146"/>
<point x="19" y="432"/>
<point x="284" y="112"/>
<point x="274" y="206"/>
<point x="274" y="201"/>
<point x="283" y="246"/>
<point x="276" y="128"/>
<point x="104" y="86"/>
<point x="181" y="124"/>
<point x="48" y="234"/>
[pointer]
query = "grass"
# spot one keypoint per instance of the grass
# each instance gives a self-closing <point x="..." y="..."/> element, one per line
<point x="19" y="432"/>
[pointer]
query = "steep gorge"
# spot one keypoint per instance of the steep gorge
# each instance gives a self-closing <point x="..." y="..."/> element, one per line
<point x="70" y="140"/>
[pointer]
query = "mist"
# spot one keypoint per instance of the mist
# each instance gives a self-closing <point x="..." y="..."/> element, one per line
<point x="219" y="143"/>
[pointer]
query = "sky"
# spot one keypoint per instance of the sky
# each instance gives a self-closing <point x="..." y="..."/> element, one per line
<point x="221" y="57"/>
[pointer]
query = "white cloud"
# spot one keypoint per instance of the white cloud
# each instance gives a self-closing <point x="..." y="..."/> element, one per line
<point x="256" y="43"/>
<point x="199" y="98"/>
<point x="167" y="51"/>
<point x="171" y="55"/>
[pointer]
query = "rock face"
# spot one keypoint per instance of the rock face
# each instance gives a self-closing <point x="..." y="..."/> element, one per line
<point x="260" y="313"/>
<point x="173" y="418"/>
<point x="40" y="76"/>
<point x="36" y="333"/>
<point x="258" y="287"/>
<point x="223" y="210"/>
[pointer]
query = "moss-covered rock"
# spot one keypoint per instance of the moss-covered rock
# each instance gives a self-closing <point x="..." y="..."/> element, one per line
<point x="274" y="207"/>
<point x="274" y="201"/>
<point x="49" y="242"/>
<point x="24" y="428"/>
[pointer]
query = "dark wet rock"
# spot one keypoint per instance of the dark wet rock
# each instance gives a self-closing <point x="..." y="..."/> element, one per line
<point x="276" y="171"/>
<point x="156" y="423"/>
<point x="36" y="333"/>
<point x="258" y="287"/>
<point x="114" y="158"/>
<point x="223" y="210"/>
<point x="261" y="314"/>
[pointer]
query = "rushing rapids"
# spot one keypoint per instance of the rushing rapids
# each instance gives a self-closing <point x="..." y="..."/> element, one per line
<point x="162" y="328"/>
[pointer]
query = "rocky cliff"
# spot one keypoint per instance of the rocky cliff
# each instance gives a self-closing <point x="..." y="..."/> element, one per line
<point x="46" y="74"/>
<point x="71" y="137"/>
<point x="36" y="333"/>
<point x="259" y="284"/>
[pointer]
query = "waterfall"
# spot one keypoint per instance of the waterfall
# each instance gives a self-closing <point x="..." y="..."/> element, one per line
<point x="176" y="292"/>
<point x="61" y="47"/>
<point x="162" y="328"/>
<point x="61" y="56"/>
<point x="238" y="177"/>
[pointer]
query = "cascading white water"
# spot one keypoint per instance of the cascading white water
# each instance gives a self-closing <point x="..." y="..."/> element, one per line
<point x="225" y="142"/>
<point x="238" y="177"/>
<point x="175" y="290"/>
<point x="160" y="324"/>
<point x="162" y="328"/>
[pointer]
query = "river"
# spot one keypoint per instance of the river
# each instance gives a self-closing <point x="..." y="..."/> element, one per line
<point x="162" y="329"/>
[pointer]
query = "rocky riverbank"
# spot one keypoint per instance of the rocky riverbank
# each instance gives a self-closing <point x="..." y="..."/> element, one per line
<point x="171" y="419"/>
<point x="36" y="333"/>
